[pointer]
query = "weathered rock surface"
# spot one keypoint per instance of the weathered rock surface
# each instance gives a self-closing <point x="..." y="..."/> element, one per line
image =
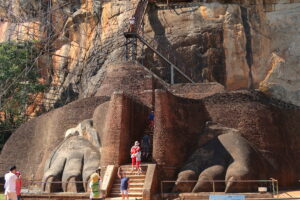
<point x="213" y="41"/>
<point x="283" y="78"/>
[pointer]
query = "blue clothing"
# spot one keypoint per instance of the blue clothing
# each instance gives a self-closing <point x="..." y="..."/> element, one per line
<point x="146" y="140"/>
<point x="124" y="183"/>
<point x="151" y="116"/>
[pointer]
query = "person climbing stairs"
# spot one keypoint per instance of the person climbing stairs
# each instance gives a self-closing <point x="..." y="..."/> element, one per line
<point x="136" y="183"/>
<point x="139" y="15"/>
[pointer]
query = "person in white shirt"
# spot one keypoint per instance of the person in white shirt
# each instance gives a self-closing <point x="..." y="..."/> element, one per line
<point x="138" y="156"/>
<point x="10" y="184"/>
<point x="132" y="24"/>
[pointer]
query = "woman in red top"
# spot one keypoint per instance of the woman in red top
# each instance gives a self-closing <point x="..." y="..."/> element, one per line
<point x="136" y="148"/>
<point x="18" y="185"/>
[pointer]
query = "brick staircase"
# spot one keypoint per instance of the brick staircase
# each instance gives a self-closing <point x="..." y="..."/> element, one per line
<point x="136" y="183"/>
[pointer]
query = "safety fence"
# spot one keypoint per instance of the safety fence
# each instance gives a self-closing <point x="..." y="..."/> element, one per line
<point x="167" y="187"/>
<point x="33" y="190"/>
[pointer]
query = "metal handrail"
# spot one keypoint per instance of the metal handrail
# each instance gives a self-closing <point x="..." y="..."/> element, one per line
<point x="141" y="39"/>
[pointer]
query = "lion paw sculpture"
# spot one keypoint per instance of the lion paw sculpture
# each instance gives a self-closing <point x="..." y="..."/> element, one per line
<point x="227" y="156"/>
<point x="73" y="160"/>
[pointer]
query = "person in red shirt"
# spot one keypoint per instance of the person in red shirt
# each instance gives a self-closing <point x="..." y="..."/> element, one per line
<point x="134" y="149"/>
<point x="18" y="185"/>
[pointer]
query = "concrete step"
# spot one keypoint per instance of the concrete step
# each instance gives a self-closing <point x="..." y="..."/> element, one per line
<point x="129" y="173"/>
<point x="134" y="177"/>
<point x="132" y="185"/>
<point x="130" y="194"/>
<point x="129" y="169"/>
<point x="132" y="190"/>
<point x="131" y="181"/>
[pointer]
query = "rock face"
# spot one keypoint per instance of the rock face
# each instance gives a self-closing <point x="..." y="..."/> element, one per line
<point x="282" y="80"/>
<point x="237" y="45"/>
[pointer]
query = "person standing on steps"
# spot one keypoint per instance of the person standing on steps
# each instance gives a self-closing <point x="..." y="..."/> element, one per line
<point x="132" y="24"/>
<point x="124" y="186"/>
<point x="134" y="149"/>
<point x="151" y="120"/>
<point x="145" y="143"/>
<point x="138" y="156"/>
<point x="10" y="184"/>
<point x="18" y="185"/>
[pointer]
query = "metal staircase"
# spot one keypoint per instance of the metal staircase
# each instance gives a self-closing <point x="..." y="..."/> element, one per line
<point x="133" y="37"/>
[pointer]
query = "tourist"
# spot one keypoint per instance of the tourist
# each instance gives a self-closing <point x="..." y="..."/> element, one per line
<point x="145" y="143"/>
<point x="95" y="186"/>
<point x="98" y="171"/>
<point x="124" y="186"/>
<point x="133" y="151"/>
<point x="10" y="184"/>
<point x="18" y="185"/>
<point x="132" y="24"/>
<point x="138" y="157"/>
<point x="151" y="120"/>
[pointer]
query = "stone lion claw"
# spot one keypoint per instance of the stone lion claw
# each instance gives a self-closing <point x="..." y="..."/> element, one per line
<point x="73" y="161"/>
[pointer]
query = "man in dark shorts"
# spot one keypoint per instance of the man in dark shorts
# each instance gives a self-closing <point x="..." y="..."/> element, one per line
<point x="146" y="146"/>
<point x="124" y="186"/>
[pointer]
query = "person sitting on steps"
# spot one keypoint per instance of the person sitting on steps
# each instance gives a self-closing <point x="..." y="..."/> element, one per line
<point x="124" y="186"/>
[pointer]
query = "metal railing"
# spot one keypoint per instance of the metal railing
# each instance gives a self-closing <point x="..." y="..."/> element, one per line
<point x="271" y="184"/>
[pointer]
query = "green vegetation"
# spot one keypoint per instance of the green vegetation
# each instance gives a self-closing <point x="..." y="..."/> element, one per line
<point x="2" y="197"/>
<point x="18" y="82"/>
